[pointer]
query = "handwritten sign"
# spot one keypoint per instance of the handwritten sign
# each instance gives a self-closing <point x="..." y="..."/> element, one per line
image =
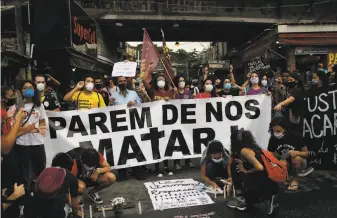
<point x="219" y="64"/>
<point x="127" y="69"/>
<point x="257" y="64"/>
<point x="167" y="194"/>
<point x="320" y="127"/>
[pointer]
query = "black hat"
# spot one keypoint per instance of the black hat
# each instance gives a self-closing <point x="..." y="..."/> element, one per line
<point x="295" y="75"/>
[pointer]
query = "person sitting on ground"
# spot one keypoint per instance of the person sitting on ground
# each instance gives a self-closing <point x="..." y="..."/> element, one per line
<point x="214" y="165"/>
<point x="84" y="96"/>
<point x="92" y="170"/>
<point x="56" y="191"/>
<point x="247" y="169"/>
<point x="289" y="148"/>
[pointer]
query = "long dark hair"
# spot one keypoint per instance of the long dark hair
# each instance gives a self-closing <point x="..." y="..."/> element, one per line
<point x="176" y="80"/>
<point x="242" y="139"/>
<point x="323" y="77"/>
<point x="284" y="123"/>
<point x="259" y="76"/>
<point x="36" y="99"/>
<point x="213" y="92"/>
<point x="154" y="82"/>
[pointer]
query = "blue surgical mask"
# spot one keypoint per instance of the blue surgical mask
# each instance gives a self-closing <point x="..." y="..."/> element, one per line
<point x="278" y="135"/>
<point x="227" y="86"/>
<point x="28" y="93"/>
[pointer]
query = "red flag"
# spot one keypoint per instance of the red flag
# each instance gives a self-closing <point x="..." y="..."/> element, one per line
<point x="150" y="57"/>
<point x="166" y="60"/>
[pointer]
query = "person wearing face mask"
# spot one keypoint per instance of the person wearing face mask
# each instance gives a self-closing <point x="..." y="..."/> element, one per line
<point x="289" y="148"/>
<point x="84" y="96"/>
<point x="218" y="87"/>
<point x="209" y="90"/>
<point x="214" y="164"/>
<point x="254" y="87"/>
<point x="229" y="89"/>
<point x="91" y="170"/>
<point x="125" y="96"/>
<point x="30" y="146"/>
<point x="264" y="82"/>
<point x="279" y="90"/>
<point x="161" y="90"/>
<point x="319" y="79"/>
<point x="48" y="99"/>
<point x="99" y="89"/>
<point x="181" y="93"/>
<point x="294" y="102"/>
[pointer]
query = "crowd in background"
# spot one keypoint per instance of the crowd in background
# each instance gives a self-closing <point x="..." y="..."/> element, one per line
<point x="23" y="127"/>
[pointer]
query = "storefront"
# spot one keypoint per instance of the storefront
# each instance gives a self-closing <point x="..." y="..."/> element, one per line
<point x="67" y="44"/>
<point x="299" y="47"/>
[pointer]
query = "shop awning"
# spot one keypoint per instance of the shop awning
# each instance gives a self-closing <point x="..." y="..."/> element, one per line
<point x="13" y="56"/>
<point x="81" y="61"/>
<point x="308" y="38"/>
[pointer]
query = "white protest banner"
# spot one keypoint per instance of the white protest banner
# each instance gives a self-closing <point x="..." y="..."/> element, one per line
<point x="126" y="68"/>
<point x="167" y="194"/>
<point x="157" y="131"/>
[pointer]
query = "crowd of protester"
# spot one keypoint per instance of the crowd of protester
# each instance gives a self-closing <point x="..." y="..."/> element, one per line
<point x="56" y="188"/>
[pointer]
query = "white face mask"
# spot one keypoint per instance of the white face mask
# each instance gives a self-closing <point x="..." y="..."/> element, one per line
<point x="89" y="86"/>
<point x="278" y="135"/>
<point x="264" y="82"/>
<point x="181" y="85"/>
<point x="161" y="84"/>
<point x="208" y="88"/>
<point x="217" y="160"/>
<point x="40" y="86"/>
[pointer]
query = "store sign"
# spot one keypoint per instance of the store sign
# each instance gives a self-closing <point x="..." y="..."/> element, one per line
<point x="332" y="58"/>
<point x="310" y="51"/>
<point x="84" y="32"/>
<point x="219" y="64"/>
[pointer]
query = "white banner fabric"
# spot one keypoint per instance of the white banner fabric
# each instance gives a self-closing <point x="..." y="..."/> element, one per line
<point x="156" y="131"/>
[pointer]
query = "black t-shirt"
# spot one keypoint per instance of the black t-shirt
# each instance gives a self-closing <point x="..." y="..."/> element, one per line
<point x="53" y="207"/>
<point x="297" y="105"/>
<point x="50" y="101"/>
<point x="232" y="92"/>
<point x="289" y="142"/>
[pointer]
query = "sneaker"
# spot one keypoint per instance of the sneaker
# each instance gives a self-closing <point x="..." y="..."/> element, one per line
<point x="159" y="175"/>
<point x="95" y="198"/>
<point x="190" y="165"/>
<point x="306" y="172"/>
<point x="237" y="203"/>
<point x="272" y="205"/>
<point x="168" y="171"/>
<point x="178" y="167"/>
<point x="80" y="201"/>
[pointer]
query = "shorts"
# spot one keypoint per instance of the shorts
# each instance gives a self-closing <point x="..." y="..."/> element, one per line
<point x="88" y="182"/>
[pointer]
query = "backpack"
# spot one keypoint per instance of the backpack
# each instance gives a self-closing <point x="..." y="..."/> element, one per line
<point x="276" y="170"/>
<point x="50" y="182"/>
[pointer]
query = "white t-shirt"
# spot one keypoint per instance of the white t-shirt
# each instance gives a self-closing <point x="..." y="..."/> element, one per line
<point x="38" y="114"/>
<point x="111" y="90"/>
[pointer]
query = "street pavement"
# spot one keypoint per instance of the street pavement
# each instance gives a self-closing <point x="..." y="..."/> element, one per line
<point x="316" y="197"/>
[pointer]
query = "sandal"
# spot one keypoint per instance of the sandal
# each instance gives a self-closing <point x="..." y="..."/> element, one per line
<point x="293" y="187"/>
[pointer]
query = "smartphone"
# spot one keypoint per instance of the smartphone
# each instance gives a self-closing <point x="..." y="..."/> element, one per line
<point x="136" y="85"/>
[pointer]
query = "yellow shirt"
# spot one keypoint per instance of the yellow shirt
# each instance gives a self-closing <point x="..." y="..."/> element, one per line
<point x="84" y="101"/>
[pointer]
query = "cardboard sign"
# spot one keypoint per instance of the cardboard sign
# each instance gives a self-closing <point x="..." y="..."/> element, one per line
<point x="127" y="69"/>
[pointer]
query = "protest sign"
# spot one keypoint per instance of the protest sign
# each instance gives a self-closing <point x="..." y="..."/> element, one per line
<point x="320" y="127"/>
<point x="257" y="64"/>
<point x="126" y="69"/>
<point x="157" y="131"/>
<point x="167" y="194"/>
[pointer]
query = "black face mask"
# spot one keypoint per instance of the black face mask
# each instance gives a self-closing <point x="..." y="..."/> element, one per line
<point x="291" y="84"/>
<point x="218" y="86"/>
<point x="10" y="102"/>
<point x="98" y="86"/>
<point x="122" y="86"/>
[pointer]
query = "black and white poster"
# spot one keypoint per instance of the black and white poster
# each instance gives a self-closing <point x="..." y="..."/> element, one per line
<point x="320" y="127"/>
<point x="152" y="132"/>
<point x="168" y="194"/>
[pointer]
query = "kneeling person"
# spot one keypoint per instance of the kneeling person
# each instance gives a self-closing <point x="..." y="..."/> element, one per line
<point x="92" y="170"/>
<point x="214" y="164"/>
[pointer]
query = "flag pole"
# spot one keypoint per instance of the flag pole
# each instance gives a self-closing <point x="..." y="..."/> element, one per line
<point x="167" y="72"/>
